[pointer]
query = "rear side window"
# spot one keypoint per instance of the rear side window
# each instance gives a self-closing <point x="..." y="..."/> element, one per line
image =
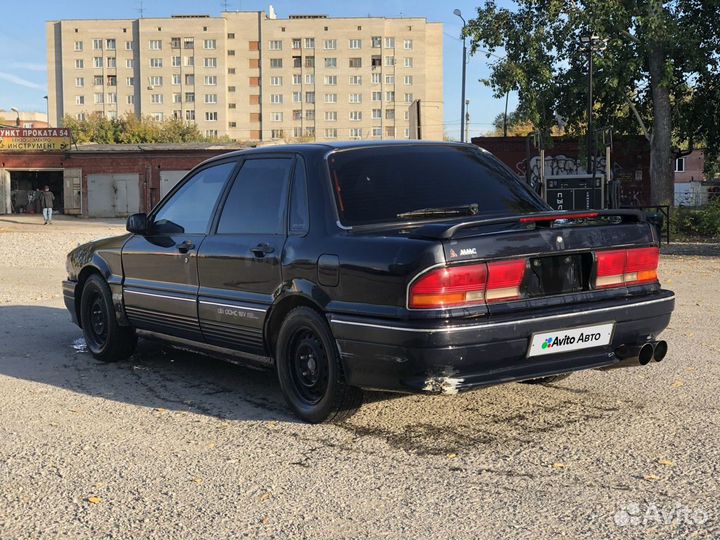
<point x="374" y="185"/>
<point x="190" y="208"/>
<point x="257" y="200"/>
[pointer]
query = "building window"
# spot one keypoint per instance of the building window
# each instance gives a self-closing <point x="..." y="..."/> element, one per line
<point x="211" y="132"/>
<point x="297" y="61"/>
<point x="389" y="61"/>
<point x="309" y="61"/>
<point x="189" y="80"/>
<point x="407" y="133"/>
<point x="98" y="62"/>
<point x="276" y="98"/>
<point x="231" y="71"/>
<point x="211" y="116"/>
<point x="130" y="63"/>
<point x="355" y="80"/>
<point x="110" y="44"/>
<point x="297" y="114"/>
<point x="355" y="98"/>
<point x="330" y="80"/>
<point x="156" y="62"/>
<point x="189" y="97"/>
<point x="309" y="78"/>
<point x="356" y="116"/>
<point x="232" y="124"/>
<point x="231" y="52"/>
<point x="390" y="96"/>
<point x="97" y="44"/>
<point x="408" y="80"/>
<point x="408" y="62"/>
<point x="175" y="43"/>
<point x="375" y="61"/>
<point x="276" y="80"/>
<point x="331" y="63"/>
<point x="189" y="61"/>
<point x="377" y="96"/>
<point x="210" y="44"/>
<point x="376" y="114"/>
<point x="297" y="97"/>
<point x="408" y="44"/>
<point x="111" y="62"/>
<point x="190" y="115"/>
<point x="297" y="132"/>
<point x="680" y="164"/>
<point x="377" y="132"/>
<point x="355" y="44"/>
<point x="111" y="80"/>
<point x="78" y="46"/>
<point x="297" y="79"/>
<point x="211" y="98"/>
<point x="309" y="97"/>
<point x="176" y="61"/>
<point x="188" y="43"/>
<point x="80" y="82"/>
<point x="296" y="43"/>
<point x="276" y="62"/>
<point x="79" y="100"/>
<point x="276" y="116"/>
<point x="389" y="114"/>
<point x="79" y="63"/>
<point x="409" y="98"/>
<point x="390" y="132"/>
<point x="275" y="45"/>
<point x="309" y="43"/>
<point x="310" y="132"/>
<point x="331" y="133"/>
<point x="355" y="62"/>
<point x="356" y="133"/>
<point x="376" y="42"/>
<point x="176" y="78"/>
<point x="210" y="62"/>
<point x="389" y="42"/>
<point x="389" y="79"/>
<point x="81" y="116"/>
<point x="156" y="98"/>
<point x="156" y="80"/>
<point x="330" y="98"/>
<point x="155" y="44"/>
<point x="330" y="44"/>
<point x="177" y="97"/>
<point x="98" y="80"/>
<point x="131" y="100"/>
<point x="231" y="35"/>
<point x="210" y="80"/>
<point x="99" y="98"/>
<point x="129" y="45"/>
<point x="310" y="114"/>
<point x="276" y="134"/>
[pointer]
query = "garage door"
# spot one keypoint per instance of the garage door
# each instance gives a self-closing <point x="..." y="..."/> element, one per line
<point x="113" y="195"/>
<point x="168" y="179"/>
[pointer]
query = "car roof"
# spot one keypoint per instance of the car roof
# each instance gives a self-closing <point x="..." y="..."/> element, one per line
<point x="314" y="148"/>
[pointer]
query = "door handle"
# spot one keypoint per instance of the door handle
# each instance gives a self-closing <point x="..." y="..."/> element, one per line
<point x="186" y="246"/>
<point x="262" y="249"/>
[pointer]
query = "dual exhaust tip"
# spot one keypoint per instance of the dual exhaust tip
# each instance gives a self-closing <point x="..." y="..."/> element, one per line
<point x="652" y="350"/>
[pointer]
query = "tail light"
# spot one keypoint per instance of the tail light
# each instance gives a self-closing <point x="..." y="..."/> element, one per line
<point x="626" y="267"/>
<point x="472" y="284"/>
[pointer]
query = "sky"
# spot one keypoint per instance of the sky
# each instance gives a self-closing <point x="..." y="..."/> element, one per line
<point x="23" y="61"/>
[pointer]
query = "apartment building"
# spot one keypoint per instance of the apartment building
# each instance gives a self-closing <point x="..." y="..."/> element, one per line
<point x="252" y="76"/>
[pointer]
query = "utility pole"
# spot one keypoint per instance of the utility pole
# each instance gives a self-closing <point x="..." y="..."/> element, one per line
<point x="591" y="44"/>
<point x="467" y="120"/>
<point x="458" y="13"/>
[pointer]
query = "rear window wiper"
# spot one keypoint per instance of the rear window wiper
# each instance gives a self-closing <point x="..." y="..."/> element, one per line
<point x="461" y="210"/>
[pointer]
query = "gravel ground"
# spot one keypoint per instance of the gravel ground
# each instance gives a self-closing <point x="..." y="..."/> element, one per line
<point x="172" y="444"/>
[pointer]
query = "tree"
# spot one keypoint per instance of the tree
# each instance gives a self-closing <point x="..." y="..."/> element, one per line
<point x="657" y="76"/>
<point x="130" y="129"/>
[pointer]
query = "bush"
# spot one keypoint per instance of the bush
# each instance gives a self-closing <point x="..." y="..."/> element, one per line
<point x="697" y="222"/>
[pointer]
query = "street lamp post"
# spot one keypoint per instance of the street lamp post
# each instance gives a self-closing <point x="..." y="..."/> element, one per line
<point x="458" y="13"/>
<point x="591" y="43"/>
<point x="47" y="111"/>
<point x="17" y="120"/>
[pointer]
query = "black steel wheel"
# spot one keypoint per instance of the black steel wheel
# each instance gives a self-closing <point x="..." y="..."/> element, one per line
<point x="105" y="338"/>
<point x="310" y="371"/>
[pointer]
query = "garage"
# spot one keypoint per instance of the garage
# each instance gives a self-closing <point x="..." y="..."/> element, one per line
<point x="25" y="186"/>
<point x="113" y="195"/>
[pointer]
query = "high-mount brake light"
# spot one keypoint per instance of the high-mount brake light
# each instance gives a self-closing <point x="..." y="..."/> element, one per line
<point x="533" y="219"/>
<point x="468" y="285"/>
<point x="619" y="268"/>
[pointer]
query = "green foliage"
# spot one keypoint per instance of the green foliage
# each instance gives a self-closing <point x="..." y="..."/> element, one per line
<point x="130" y="129"/>
<point x="542" y="57"/>
<point x="697" y="222"/>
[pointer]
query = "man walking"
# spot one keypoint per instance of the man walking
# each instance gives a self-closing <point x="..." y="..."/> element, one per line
<point x="47" y="198"/>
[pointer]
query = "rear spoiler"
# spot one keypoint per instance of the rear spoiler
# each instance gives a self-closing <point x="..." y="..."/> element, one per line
<point x="444" y="231"/>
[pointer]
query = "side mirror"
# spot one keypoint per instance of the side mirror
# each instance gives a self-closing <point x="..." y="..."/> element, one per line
<point x="137" y="224"/>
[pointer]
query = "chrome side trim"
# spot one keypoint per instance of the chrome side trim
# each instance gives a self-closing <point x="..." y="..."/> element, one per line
<point x="499" y="324"/>
<point x="159" y="295"/>
<point x="236" y="306"/>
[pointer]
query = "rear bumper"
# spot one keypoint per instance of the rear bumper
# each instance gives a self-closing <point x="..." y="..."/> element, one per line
<point x="412" y="357"/>
<point x="68" y="288"/>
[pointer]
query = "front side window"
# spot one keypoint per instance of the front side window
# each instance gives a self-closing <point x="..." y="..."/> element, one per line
<point x="377" y="185"/>
<point x="190" y="208"/>
<point x="256" y="202"/>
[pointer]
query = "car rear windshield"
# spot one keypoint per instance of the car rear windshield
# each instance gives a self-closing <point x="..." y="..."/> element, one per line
<point x="379" y="184"/>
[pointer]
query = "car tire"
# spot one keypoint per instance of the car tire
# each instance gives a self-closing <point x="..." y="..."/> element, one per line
<point x="105" y="338"/>
<point x="548" y="380"/>
<point x="310" y="372"/>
